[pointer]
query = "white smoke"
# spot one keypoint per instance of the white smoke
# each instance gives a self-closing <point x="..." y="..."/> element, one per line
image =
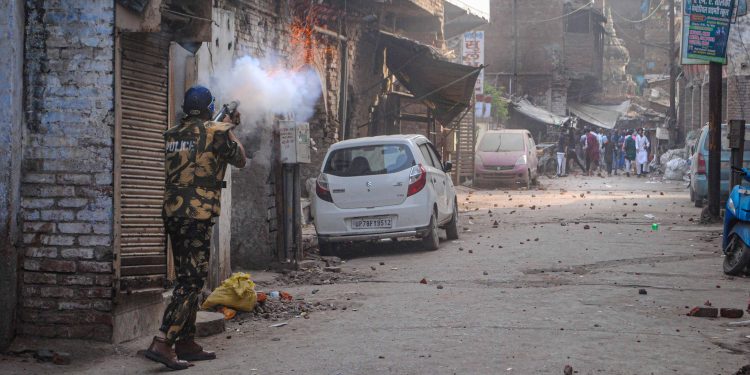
<point x="263" y="88"/>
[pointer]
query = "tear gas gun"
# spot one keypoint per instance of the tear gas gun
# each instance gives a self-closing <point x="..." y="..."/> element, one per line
<point x="227" y="110"/>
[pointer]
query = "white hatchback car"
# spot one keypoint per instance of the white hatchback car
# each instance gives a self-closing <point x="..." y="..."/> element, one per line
<point x="384" y="187"/>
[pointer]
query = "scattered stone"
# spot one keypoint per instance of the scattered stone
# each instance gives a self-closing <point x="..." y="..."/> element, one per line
<point x="642" y="291"/>
<point x="209" y="323"/>
<point x="568" y="370"/>
<point x="382" y="263"/>
<point x="373" y="268"/>
<point x="586" y="226"/>
<point x="471" y="251"/>
<point x="731" y="313"/>
<point x="315" y="291"/>
<point x="485" y="273"/>
<point x="440" y="287"/>
<point x="44" y="355"/>
<point x="332" y="269"/>
<point x="61" y="358"/>
<point x="704" y="312"/>
<point x="423" y="281"/>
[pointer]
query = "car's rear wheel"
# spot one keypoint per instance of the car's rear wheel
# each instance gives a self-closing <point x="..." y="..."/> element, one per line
<point x="451" y="230"/>
<point x="328" y="248"/>
<point x="431" y="241"/>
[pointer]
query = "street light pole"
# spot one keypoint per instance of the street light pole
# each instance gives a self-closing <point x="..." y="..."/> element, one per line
<point x="672" y="125"/>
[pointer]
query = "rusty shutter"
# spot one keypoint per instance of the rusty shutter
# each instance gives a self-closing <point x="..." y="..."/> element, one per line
<point x="143" y="117"/>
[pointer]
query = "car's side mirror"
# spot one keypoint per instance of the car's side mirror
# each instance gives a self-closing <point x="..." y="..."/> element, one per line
<point x="448" y="166"/>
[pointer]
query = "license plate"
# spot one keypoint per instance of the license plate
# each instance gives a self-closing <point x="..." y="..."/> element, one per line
<point x="372" y="223"/>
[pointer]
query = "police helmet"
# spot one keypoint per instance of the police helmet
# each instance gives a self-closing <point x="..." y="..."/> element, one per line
<point x="198" y="100"/>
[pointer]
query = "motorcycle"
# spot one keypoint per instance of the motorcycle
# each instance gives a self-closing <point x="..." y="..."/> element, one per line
<point x="736" y="239"/>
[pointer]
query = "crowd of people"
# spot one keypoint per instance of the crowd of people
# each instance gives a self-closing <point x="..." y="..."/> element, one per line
<point x="617" y="151"/>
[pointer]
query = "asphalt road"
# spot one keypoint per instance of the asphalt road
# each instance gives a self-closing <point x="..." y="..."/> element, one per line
<point x="530" y="295"/>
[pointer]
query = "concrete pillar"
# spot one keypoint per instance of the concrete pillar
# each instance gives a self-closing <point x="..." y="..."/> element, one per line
<point x="697" y="105"/>
<point x="11" y="111"/>
<point x="686" y="105"/>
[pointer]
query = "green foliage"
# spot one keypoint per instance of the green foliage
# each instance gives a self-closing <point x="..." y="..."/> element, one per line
<point x="499" y="106"/>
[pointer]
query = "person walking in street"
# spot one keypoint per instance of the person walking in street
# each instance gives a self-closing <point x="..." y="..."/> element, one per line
<point x="592" y="152"/>
<point x="573" y="144"/>
<point x="642" y="145"/>
<point x="197" y="152"/>
<point x="562" y="149"/>
<point x="629" y="149"/>
<point x="616" y="139"/>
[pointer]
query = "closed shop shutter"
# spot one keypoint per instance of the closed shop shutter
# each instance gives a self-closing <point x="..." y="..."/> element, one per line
<point x="139" y="176"/>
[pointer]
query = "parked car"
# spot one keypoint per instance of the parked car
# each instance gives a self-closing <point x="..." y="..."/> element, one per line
<point x="699" y="165"/>
<point x="384" y="187"/>
<point x="506" y="156"/>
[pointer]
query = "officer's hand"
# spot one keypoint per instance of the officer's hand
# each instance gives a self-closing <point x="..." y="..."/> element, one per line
<point x="236" y="118"/>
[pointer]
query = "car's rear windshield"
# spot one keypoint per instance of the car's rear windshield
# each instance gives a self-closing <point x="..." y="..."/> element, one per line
<point x="369" y="160"/>
<point x="499" y="142"/>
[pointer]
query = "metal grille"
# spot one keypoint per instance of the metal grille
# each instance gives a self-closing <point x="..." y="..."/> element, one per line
<point x="144" y="100"/>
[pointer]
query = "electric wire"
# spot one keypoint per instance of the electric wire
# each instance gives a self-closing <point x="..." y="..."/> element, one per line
<point x="562" y="16"/>
<point x="641" y="20"/>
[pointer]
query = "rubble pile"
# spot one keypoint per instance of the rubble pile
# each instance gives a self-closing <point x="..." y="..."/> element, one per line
<point x="275" y="310"/>
<point x="316" y="276"/>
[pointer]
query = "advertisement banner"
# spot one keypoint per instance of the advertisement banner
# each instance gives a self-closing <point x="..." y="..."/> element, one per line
<point x="684" y="60"/>
<point x="708" y="32"/>
<point x="473" y="55"/>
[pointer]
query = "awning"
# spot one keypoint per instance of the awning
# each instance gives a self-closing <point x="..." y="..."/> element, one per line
<point x="542" y="115"/>
<point x="460" y="19"/>
<point x="603" y="116"/>
<point x="443" y="86"/>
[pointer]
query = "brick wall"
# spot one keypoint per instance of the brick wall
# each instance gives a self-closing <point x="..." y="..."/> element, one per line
<point x="697" y="106"/>
<point x="66" y="190"/>
<point x="738" y="103"/>
<point x="686" y="106"/>
<point x="11" y="111"/>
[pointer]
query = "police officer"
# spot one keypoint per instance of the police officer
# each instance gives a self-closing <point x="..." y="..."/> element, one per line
<point x="197" y="153"/>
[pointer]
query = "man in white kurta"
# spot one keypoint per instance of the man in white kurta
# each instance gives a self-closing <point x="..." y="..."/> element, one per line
<point x="641" y="156"/>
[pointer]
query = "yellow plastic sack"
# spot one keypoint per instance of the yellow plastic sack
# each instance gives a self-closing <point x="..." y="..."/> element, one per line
<point x="236" y="292"/>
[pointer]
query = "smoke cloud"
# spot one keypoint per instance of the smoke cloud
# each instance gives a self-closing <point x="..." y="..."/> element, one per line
<point x="262" y="89"/>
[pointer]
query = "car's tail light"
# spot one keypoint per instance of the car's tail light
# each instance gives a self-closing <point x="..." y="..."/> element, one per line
<point x="417" y="180"/>
<point x="322" y="190"/>
<point x="701" y="164"/>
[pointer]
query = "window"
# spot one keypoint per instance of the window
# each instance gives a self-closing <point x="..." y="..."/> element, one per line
<point x="435" y="158"/>
<point x="427" y="156"/>
<point x="578" y="22"/>
<point x="369" y="160"/>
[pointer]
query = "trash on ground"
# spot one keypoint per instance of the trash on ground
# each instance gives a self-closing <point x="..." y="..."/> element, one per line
<point x="278" y="325"/>
<point x="236" y="292"/>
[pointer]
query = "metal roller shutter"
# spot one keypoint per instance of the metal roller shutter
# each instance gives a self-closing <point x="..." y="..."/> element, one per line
<point x="144" y="116"/>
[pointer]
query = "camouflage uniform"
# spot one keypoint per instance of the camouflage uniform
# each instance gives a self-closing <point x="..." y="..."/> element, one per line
<point x="197" y="154"/>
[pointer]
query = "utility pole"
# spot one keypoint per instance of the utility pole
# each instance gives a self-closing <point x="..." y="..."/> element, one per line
<point x="514" y="78"/>
<point x="714" y="138"/>
<point x="672" y="125"/>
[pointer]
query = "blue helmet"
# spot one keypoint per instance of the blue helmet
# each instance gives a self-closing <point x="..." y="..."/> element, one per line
<point x="198" y="100"/>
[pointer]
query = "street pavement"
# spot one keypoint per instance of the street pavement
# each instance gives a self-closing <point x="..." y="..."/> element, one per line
<point x="555" y="282"/>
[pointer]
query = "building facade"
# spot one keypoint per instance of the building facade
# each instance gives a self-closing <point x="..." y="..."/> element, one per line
<point x="88" y="89"/>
